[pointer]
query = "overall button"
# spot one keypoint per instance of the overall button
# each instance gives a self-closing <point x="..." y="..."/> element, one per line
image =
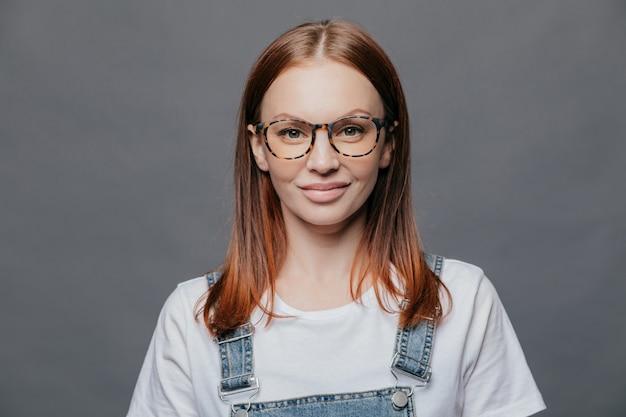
<point x="399" y="400"/>
<point x="241" y="413"/>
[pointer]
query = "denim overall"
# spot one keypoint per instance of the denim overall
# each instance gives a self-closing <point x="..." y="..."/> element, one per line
<point x="411" y="357"/>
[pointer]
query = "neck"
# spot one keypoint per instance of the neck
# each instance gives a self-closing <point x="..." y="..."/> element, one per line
<point x="316" y="273"/>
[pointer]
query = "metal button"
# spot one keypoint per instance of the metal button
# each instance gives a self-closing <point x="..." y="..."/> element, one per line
<point x="241" y="413"/>
<point x="399" y="400"/>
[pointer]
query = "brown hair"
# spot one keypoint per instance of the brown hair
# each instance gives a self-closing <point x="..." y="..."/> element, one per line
<point x="258" y="239"/>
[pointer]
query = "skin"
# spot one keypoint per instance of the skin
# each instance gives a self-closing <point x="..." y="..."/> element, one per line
<point x="323" y="194"/>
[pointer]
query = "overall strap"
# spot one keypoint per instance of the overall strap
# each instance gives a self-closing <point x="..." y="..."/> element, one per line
<point x="213" y="277"/>
<point x="237" y="361"/>
<point x="413" y="346"/>
<point x="235" y="356"/>
<point x="434" y="262"/>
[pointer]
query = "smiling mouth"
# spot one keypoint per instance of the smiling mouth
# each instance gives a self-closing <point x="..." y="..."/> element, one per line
<point x="324" y="192"/>
<point x="324" y="186"/>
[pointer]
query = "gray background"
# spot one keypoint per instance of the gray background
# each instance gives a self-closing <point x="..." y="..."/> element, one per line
<point x="116" y="128"/>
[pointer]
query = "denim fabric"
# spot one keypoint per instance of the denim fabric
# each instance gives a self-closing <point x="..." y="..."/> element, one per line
<point x="212" y="277"/>
<point x="371" y="403"/>
<point x="413" y="347"/>
<point x="411" y="356"/>
<point x="236" y="359"/>
<point x="435" y="262"/>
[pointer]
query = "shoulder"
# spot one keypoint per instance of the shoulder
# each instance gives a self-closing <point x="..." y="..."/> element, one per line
<point x="472" y="295"/>
<point x="178" y="362"/>
<point x="196" y="285"/>
<point x="464" y="279"/>
<point x="193" y="288"/>
<point x="184" y="298"/>
<point x="455" y="272"/>
<point x="477" y="346"/>
<point x="178" y="319"/>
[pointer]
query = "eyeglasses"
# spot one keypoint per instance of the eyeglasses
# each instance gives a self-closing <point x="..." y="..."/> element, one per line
<point x="292" y="138"/>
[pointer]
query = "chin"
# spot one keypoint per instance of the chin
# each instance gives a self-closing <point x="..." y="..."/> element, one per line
<point x="335" y="223"/>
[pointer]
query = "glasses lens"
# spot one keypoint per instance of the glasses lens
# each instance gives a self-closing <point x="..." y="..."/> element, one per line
<point x="354" y="136"/>
<point x="289" y="138"/>
<point x="350" y="135"/>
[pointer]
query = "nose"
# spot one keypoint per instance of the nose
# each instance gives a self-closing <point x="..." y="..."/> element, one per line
<point x="322" y="158"/>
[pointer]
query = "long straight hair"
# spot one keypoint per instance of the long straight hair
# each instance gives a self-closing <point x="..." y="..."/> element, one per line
<point x="258" y="240"/>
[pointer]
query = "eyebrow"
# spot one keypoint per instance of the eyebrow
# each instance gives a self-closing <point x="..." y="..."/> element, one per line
<point x="353" y="112"/>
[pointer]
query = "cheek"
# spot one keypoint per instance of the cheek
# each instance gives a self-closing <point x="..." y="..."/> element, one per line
<point x="282" y="173"/>
<point x="368" y="166"/>
<point x="366" y="172"/>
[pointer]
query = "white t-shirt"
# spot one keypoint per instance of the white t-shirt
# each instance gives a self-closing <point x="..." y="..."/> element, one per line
<point x="478" y="367"/>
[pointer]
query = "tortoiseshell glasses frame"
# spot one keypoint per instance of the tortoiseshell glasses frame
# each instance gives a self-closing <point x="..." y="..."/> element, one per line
<point x="292" y="138"/>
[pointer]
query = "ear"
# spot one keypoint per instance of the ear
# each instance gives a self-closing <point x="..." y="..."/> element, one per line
<point x="257" y="146"/>
<point x="385" y="157"/>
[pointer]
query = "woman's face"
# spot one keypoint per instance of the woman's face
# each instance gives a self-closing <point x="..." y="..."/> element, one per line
<point x="323" y="189"/>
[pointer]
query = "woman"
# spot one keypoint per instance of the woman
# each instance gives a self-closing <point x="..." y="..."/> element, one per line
<point x="325" y="303"/>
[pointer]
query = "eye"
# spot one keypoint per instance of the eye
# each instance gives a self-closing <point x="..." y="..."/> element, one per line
<point x="351" y="130"/>
<point x="290" y="133"/>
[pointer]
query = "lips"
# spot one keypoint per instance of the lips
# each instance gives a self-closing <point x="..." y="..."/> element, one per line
<point x="326" y="186"/>
<point x="324" y="192"/>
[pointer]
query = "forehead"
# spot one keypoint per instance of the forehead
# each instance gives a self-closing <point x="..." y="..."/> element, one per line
<point x="319" y="91"/>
